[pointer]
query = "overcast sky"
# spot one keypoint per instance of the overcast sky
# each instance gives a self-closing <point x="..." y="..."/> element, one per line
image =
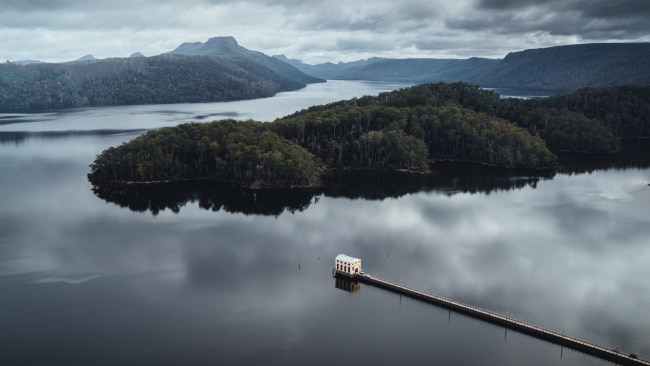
<point x="314" y="30"/>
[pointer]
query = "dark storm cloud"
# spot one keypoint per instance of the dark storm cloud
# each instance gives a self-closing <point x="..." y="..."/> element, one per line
<point x="512" y="4"/>
<point x="588" y="8"/>
<point x="595" y="19"/>
<point x="316" y="31"/>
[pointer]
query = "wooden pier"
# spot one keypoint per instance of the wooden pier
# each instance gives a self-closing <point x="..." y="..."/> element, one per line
<point x="507" y="322"/>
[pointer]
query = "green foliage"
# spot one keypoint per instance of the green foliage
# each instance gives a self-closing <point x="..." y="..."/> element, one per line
<point x="570" y="67"/>
<point x="399" y="130"/>
<point x="150" y="80"/>
<point x="407" y="131"/>
<point x="247" y="153"/>
<point x="587" y="120"/>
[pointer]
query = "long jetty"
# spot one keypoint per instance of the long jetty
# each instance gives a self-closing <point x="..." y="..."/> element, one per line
<point x="507" y="322"/>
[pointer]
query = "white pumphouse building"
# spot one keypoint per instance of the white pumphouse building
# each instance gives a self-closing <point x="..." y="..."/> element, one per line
<point x="346" y="265"/>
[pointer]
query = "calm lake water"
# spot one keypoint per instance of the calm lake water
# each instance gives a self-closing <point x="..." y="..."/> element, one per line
<point x="205" y="275"/>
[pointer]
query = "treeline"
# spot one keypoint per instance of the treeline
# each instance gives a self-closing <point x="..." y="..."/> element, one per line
<point x="399" y="130"/>
<point x="245" y="153"/>
<point x="358" y="133"/>
<point x="362" y="133"/>
<point x="587" y="120"/>
<point x="130" y="81"/>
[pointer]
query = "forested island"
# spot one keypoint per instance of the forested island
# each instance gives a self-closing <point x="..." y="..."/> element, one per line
<point x="403" y="130"/>
<point x="295" y="150"/>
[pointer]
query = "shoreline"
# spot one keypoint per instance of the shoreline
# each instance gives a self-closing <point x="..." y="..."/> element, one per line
<point x="258" y="184"/>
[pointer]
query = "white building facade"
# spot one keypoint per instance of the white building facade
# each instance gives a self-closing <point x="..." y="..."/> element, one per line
<point x="349" y="266"/>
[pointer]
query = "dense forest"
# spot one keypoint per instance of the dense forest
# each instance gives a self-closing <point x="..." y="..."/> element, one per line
<point x="140" y="80"/>
<point x="402" y="130"/>
<point x="592" y="120"/>
<point x="361" y="133"/>
<point x="245" y="153"/>
<point x="297" y="149"/>
<point x="570" y="67"/>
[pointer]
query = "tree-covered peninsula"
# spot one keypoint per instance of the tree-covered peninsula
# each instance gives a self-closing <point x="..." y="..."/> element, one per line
<point x="588" y="120"/>
<point x="245" y="153"/>
<point x="370" y="132"/>
<point x="403" y="130"/>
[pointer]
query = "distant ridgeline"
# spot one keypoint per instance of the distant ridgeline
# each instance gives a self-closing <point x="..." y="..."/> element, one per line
<point x="554" y="68"/>
<point x="217" y="70"/>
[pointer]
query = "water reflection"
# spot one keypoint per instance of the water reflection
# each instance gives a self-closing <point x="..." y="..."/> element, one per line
<point x="636" y="155"/>
<point x="79" y="276"/>
<point x="346" y="284"/>
<point x="210" y="196"/>
<point x="449" y="179"/>
<point x="18" y="137"/>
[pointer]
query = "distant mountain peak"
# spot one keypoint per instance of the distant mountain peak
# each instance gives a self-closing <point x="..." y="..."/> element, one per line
<point x="87" y="57"/>
<point x="215" y="46"/>
<point x="282" y="57"/>
<point x="227" y="41"/>
<point x="136" y="54"/>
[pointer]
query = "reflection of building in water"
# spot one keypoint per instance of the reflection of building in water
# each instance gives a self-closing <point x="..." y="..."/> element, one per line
<point x="346" y="284"/>
<point x="346" y="265"/>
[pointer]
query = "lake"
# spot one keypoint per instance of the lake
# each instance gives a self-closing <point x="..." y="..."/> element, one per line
<point x="204" y="275"/>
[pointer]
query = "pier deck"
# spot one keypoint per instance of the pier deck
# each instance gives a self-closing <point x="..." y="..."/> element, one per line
<point x="507" y="322"/>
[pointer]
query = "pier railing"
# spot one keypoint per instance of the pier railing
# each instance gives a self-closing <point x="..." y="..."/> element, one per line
<point x="508" y="322"/>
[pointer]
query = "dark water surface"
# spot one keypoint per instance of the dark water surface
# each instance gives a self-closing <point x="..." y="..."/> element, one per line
<point x="206" y="275"/>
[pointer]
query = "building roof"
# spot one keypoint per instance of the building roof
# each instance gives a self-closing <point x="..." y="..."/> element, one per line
<point x="346" y="258"/>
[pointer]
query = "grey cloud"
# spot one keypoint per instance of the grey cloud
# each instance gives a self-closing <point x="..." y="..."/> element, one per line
<point x="619" y="9"/>
<point x="314" y="31"/>
<point x="587" y="20"/>
<point x="512" y="4"/>
<point x="362" y="45"/>
<point x="587" y="8"/>
<point x="27" y="5"/>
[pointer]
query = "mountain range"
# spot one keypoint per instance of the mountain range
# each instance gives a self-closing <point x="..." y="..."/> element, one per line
<point x="217" y="70"/>
<point x="553" y="68"/>
<point x="222" y="70"/>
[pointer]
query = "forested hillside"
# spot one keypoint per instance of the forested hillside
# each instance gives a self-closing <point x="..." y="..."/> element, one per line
<point x="570" y="67"/>
<point x="586" y="120"/>
<point x="559" y="68"/>
<point x="141" y="80"/>
<point x="245" y="153"/>
<point x="361" y="133"/>
<point x="400" y="130"/>
<point x="228" y="48"/>
<point x="420" y="70"/>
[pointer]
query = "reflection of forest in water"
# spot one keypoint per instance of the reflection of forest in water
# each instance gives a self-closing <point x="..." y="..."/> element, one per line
<point x="447" y="178"/>
<point x="20" y="137"/>
<point x="635" y="155"/>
